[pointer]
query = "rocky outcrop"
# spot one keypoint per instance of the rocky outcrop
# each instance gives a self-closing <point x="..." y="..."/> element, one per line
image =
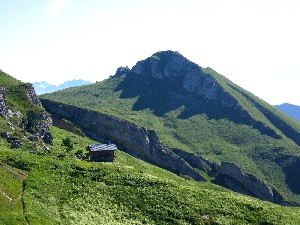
<point x="48" y="138"/>
<point x="121" y="71"/>
<point x="233" y="177"/>
<point x="3" y="104"/>
<point x="34" y="120"/>
<point x="7" y="113"/>
<point x="198" y="161"/>
<point x="173" y="65"/>
<point x="32" y="95"/>
<point x="239" y="181"/>
<point x="137" y="141"/>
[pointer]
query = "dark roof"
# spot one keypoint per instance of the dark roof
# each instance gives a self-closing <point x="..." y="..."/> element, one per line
<point x="103" y="147"/>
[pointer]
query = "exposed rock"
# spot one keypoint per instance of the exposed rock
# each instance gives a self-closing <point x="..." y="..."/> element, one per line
<point x="198" y="161"/>
<point x="3" y="104"/>
<point x="32" y="95"/>
<point x="17" y="144"/>
<point x="48" y="139"/>
<point x="7" y="113"/>
<point x="236" y="179"/>
<point x="190" y="76"/>
<point x="34" y="138"/>
<point x="36" y="122"/>
<point x="192" y="159"/>
<point x="6" y="135"/>
<point x="122" y="70"/>
<point x="137" y="141"/>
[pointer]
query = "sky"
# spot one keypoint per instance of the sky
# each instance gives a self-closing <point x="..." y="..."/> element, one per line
<point x="254" y="43"/>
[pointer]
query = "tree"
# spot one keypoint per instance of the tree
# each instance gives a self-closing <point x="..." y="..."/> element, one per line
<point x="68" y="143"/>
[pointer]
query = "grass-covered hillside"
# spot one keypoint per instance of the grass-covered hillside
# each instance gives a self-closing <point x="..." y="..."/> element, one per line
<point x="265" y="142"/>
<point x="54" y="187"/>
<point x="16" y="93"/>
<point x="20" y="107"/>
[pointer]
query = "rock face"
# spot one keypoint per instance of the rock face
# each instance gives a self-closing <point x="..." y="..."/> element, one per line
<point x="32" y="96"/>
<point x="191" y="77"/>
<point x="198" y="161"/>
<point x="35" y="120"/>
<point x="121" y="71"/>
<point x="47" y="137"/>
<point x="239" y="181"/>
<point x="3" y="104"/>
<point x="137" y="141"/>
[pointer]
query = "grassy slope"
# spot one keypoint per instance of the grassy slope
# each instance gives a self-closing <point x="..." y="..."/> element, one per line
<point x="17" y="100"/>
<point x="72" y="191"/>
<point x="16" y="91"/>
<point x="215" y="138"/>
<point x="248" y="100"/>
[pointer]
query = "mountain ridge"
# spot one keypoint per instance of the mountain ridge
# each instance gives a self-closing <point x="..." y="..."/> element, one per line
<point x="199" y="111"/>
<point x="51" y="183"/>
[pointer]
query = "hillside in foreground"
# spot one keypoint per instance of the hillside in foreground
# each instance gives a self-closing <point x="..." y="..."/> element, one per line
<point x="46" y="189"/>
<point x="201" y="112"/>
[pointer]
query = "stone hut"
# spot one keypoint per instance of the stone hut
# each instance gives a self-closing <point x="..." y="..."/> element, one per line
<point x="102" y="152"/>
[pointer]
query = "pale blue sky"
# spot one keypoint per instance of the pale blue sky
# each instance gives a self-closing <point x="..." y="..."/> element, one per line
<point x="254" y="43"/>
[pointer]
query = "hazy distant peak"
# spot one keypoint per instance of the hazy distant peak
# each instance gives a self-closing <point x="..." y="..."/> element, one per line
<point x="290" y="109"/>
<point x="44" y="87"/>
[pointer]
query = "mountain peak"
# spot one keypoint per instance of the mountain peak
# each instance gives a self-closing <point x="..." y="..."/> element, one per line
<point x="166" y="64"/>
<point x="174" y="67"/>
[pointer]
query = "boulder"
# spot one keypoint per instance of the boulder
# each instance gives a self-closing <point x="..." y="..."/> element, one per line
<point x="32" y="95"/>
<point x="34" y="138"/>
<point x="6" y="135"/>
<point x="48" y="139"/>
<point x="16" y="144"/>
<point x="3" y="104"/>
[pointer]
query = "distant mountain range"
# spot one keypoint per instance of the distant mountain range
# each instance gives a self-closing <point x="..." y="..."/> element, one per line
<point x="289" y="109"/>
<point x="44" y="87"/>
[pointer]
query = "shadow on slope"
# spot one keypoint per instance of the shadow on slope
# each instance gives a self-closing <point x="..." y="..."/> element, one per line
<point x="165" y="95"/>
<point x="291" y="168"/>
<point x="278" y="122"/>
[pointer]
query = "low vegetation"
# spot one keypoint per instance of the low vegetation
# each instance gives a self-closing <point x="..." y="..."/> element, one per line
<point x="55" y="187"/>
<point x="210" y="132"/>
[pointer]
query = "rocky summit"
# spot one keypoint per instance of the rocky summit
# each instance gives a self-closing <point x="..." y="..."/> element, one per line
<point x="188" y="75"/>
